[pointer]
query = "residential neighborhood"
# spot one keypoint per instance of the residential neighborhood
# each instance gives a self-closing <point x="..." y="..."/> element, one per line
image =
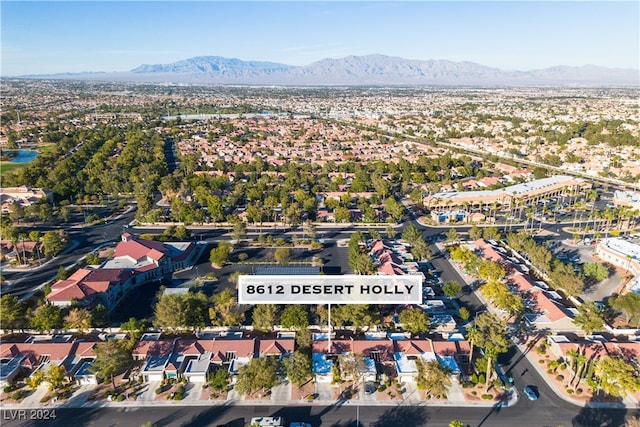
<point x="124" y="241"/>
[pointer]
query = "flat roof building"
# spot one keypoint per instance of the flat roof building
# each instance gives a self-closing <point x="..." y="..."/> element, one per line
<point x="551" y="186"/>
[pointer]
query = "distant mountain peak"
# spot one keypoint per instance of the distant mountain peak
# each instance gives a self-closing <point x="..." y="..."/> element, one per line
<point x="372" y="69"/>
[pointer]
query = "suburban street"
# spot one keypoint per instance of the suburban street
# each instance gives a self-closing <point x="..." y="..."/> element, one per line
<point x="547" y="412"/>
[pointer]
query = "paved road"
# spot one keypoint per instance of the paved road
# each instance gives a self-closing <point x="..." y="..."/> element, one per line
<point x="526" y="413"/>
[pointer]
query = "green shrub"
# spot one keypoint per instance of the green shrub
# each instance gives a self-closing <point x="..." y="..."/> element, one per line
<point x="120" y="398"/>
<point x="18" y="395"/>
<point x="45" y="399"/>
<point x="159" y="390"/>
<point x="579" y="391"/>
<point x="474" y="393"/>
<point x="549" y="371"/>
<point x="8" y="389"/>
<point x="487" y="396"/>
<point x="570" y="391"/>
<point x="560" y="377"/>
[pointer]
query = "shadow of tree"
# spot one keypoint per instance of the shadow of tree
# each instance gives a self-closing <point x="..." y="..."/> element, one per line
<point x="406" y="416"/>
<point x="203" y="418"/>
<point x="591" y="416"/>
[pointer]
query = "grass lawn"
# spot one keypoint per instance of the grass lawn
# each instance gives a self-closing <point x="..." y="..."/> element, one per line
<point x="8" y="167"/>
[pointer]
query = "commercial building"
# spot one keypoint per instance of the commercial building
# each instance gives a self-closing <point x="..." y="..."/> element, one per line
<point x="528" y="192"/>
<point x="623" y="254"/>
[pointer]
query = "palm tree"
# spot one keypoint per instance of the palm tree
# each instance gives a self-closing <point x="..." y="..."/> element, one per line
<point x="473" y="335"/>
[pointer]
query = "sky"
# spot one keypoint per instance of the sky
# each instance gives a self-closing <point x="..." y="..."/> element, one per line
<point x="56" y="37"/>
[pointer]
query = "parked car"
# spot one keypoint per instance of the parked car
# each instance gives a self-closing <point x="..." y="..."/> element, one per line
<point x="369" y="388"/>
<point x="531" y="392"/>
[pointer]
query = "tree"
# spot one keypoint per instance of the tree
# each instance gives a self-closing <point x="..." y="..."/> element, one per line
<point x="100" y="316"/>
<point x="283" y="255"/>
<point x="594" y="271"/>
<point x="491" y="233"/>
<point x="170" y="312"/>
<point x="181" y="232"/>
<point x="219" y="255"/>
<point x="341" y="214"/>
<point x="432" y="377"/>
<point x="473" y="336"/>
<point x="62" y="273"/>
<point x="589" y="317"/>
<point x="457" y="423"/>
<point x="219" y="380"/>
<point x="394" y="208"/>
<point x="295" y="316"/>
<point x="12" y="312"/>
<point x="390" y="232"/>
<point x="176" y="311"/>
<point x="475" y="232"/>
<point x="34" y="381"/>
<point x="629" y="305"/>
<point x="56" y="376"/>
<point x="53" y="242"/>
<point x="298" y="368"/>
<point x="414" y="320"/>
<point x="490" y="270"/>
<point x="451" y="288"/>
<point x="264" y="317"/>
<point x="134" y="327"/>
<point x="34" y="236"/>
<point x="492" y="338"/>
<point x="362" y="264"/>
<point x="239" y="230"/>
<point x="452" y="236"/>
<point x="112" y="358"/>
<point x="225" y="310"/>
<point x="309" y="229"/>
<point x="616" y="376"/>
<point x="464" y="313"/>
<point x="78" y="318"/>
<point x="197" y="315"/>
<point x="260" y="374"/>
<point x="46" y="318"/>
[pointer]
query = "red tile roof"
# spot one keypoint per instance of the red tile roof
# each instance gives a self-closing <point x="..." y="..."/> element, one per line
<point x="275" y="346"/>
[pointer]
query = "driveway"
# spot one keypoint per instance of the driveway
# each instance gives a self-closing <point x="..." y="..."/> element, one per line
<point x="281" y="394"/>
<point x="323" y="391"/>
<point x="80" y="396"/>
<point x="192" y="392"/>
<point x="149" y="393"/>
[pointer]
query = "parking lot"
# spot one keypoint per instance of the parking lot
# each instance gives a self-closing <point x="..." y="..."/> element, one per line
<point x="577" y="255"/>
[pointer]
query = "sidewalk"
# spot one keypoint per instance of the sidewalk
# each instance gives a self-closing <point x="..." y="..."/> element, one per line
<point x="281" y="395"/>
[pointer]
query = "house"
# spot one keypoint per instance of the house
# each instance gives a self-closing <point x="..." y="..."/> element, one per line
<point x="405" y="355"/>
<point x="545" y="313"/>
<point x="23" y="196"/>
<point x="322" y="367"/>
<point x="135" y="263"/>
<point x="31" y="356"/>
<point x="280" y="347"/>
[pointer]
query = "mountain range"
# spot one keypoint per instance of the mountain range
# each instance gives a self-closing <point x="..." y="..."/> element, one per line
<point x="360" y="70"/>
